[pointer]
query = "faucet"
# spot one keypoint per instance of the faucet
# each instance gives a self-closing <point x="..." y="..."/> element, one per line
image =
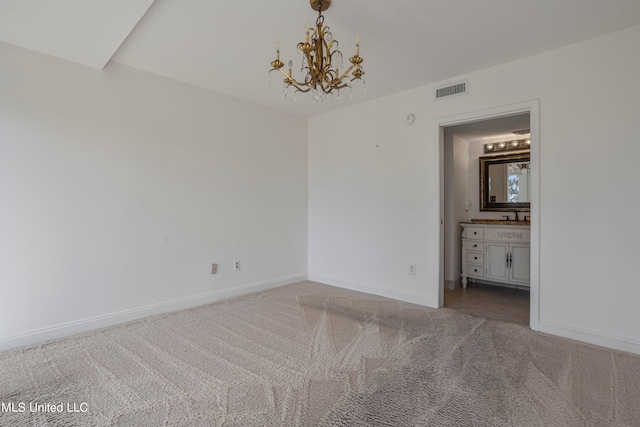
<point x="506" y="217"/>
<point x="516" y="212"/>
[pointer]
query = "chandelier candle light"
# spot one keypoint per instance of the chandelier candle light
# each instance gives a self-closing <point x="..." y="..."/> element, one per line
<point x="318" y="53"/>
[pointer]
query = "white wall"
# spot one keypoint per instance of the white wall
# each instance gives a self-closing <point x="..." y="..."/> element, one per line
<point x="456" y="180"/>
<point x="374" y="187"/>
<point x="449" y="198"/>
<point x="119" y="189"/>
<point x="461" y="197"/>
<point x="369" y="207"/>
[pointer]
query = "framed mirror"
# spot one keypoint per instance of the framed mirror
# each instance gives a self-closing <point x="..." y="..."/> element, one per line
<point x="505" y="183"/>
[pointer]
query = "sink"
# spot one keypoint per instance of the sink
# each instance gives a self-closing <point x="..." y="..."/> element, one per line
<point x="500" y="222"/>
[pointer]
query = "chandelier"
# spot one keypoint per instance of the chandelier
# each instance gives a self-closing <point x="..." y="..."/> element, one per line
<point x="321" y="61"/>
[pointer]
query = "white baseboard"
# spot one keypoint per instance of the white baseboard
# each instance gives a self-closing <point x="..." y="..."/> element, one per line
<point x="414" y="298"/>
<point x="587" y="336"/>
<point x="65" y="329"/>
<point x="591" y="337"/>
<point x="62" y="330"/>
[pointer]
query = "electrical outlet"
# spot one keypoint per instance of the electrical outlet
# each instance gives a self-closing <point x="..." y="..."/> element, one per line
<point x="236" y="265"/>
<point x="214" y="268"/>
<point x="412" y="269"/>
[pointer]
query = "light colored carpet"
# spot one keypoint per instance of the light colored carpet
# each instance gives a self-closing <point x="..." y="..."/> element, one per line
<point x="310" y="354"/>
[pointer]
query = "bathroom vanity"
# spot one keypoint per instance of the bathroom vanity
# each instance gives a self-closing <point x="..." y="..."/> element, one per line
<point x="497" y="252"/>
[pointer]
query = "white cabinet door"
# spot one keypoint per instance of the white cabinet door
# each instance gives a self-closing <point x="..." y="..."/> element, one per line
<point x="520" y="263"/>
<point x="497" y="261"/>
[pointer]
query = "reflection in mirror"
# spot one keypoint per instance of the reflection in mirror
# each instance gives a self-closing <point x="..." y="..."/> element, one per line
<point x="505" y="182"/>
<point x="509" y="183"/>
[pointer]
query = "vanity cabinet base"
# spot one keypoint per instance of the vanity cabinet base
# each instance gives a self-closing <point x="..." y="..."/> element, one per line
<point x="499" y="254"/>
<point x="490" y="283"/>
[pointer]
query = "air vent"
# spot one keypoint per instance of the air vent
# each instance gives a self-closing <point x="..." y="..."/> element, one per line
<point x="453" y="89"/>
<point x="522" y="132"/>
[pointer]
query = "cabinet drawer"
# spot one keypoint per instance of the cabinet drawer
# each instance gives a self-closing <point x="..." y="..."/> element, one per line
<point x="475" y="270"/>
<point x="475" y="233"/>
<point x="475" y="246"/>
<point x="475" y="258"/>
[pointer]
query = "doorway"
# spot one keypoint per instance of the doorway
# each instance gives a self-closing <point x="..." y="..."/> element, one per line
<point x="461" y="142"/>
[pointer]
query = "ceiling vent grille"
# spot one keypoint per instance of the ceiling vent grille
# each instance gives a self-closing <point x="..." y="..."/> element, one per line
<point x="453" y="89"/>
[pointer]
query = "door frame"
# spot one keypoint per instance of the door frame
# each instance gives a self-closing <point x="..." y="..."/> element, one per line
<point x="533" y="108"/>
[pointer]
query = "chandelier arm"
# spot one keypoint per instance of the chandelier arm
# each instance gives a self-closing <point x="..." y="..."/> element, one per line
<point x="282" y="71"/>
<point x="299" y="89"/>
<point x="342" y="86"/>
<point x="290" y="81"/>
<point x="347" y="72"/>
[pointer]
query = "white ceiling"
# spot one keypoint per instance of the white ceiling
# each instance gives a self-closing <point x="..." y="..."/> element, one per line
<point x="87" y="32"/>
<point x="227" y="46"/>
<point x="492" y="130"/>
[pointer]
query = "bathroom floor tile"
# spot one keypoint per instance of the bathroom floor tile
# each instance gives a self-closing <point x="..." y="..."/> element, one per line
<point x="492" y="302"/>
